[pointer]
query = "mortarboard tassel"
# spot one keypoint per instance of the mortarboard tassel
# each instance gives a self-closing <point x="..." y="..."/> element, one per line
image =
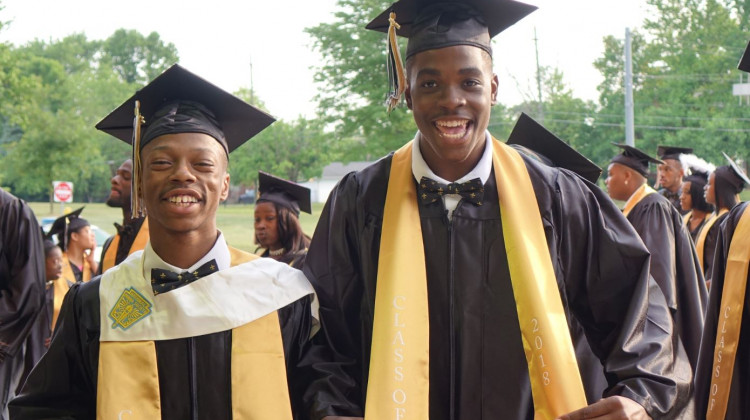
<point x="396" y="78"/>
<point x="136" y="206"/>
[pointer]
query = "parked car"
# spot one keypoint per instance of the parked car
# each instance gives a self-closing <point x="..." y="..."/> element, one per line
<point x="248" y="197"/>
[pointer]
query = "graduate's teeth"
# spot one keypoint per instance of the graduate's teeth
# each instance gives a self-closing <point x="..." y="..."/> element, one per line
<point x="182" y="199"/>
<point x="452" y="128"/>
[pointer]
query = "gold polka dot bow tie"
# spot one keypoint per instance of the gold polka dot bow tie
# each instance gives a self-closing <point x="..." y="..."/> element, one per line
<point x="430" y="191"/>
<point x="163" y="281"/>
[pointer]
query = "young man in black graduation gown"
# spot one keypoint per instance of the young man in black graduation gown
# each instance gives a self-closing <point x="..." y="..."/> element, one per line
<point x="670" y="173"/>
<point x="21" y="293"/>
<point x="151" y="339"/>
<point x="674" y="263"/>
<point x="470" y="360"/>
<point x="132" y="235"/>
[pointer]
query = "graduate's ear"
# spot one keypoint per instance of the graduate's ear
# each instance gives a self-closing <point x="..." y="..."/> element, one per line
<point x="495" y="83"/>
<point x="225" y="187"/>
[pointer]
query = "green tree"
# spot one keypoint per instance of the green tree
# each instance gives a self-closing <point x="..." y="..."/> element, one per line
<point x="684" y="64"/>
<point x="295" y="151"/>
<point x="353" y="83"/>
<point x="137" y="58"/>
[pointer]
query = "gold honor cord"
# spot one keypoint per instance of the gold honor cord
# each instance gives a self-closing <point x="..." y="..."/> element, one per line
<point x="398" y="387"/>
<point x="639" y="195"/>
<point x="136" y="206"/>
<point x="139" y="243"/>
<point x="730" y="320"/>
<point x="128" y="376"/>
<point x="396" y="74"/>
<point x="701" y="242"/>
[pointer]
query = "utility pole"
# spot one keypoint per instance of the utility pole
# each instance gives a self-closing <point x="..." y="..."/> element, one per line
<point x="540" y="105"/>
<point x="629" y="118"/>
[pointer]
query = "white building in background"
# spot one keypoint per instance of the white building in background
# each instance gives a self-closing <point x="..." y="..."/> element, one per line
<point x="320" y="188"/>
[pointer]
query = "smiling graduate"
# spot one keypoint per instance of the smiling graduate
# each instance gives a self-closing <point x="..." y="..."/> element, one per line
<point x="458" y="277"/>
<point x="189" y="327"/>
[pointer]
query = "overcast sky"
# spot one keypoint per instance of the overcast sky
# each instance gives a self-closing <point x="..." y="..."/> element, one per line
<point x="219" y="39"/>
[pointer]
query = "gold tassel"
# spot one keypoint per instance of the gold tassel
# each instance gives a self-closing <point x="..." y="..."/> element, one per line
<point x="396" y="77"/>
<point x="136" y="205"/>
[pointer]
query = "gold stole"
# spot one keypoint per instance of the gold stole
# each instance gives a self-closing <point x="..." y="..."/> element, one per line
<point x="67" y="270"/>
<point x="686" y="219"/>
<point x="639" y="194"/>
<point x="138" y="244"/>
<point x="128" y="377"/>
<point x="60" y="288"/>
<point x="730" y="319"/>
<point x="399" y="365"/>
<point x="701" y="242"/>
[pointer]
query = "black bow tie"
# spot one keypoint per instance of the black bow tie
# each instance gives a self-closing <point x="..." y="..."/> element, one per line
<point x="163" y="281"/>
<point x="431" y="191"/>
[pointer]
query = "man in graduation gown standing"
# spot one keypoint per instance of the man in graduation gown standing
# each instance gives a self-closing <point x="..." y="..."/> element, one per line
<point x="445" y="267"/>
<point x="189" y="327"/>
<point x="21" y="291"/>
<point x="674" y="263"/>
<point x="670" y="173"/>
<point x="722" y="380"/>
<point x="132" y="235"/>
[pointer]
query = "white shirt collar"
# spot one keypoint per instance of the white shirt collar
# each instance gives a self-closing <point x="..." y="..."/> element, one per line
<point x="219" y="252"/>
<point x="482" y="170"/>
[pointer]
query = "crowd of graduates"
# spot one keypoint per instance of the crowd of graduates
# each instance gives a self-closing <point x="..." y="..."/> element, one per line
<point x="459" y="277"/>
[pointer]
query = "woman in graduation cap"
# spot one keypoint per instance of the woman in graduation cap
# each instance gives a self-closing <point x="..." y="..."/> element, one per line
<point x="277" y="227"/>
<point x="188" y="328"/>
<point x="722" y="190"/>
<point x="674" y="263"/>
<point x="692" y="199"/>
<point x="77" y="241"/>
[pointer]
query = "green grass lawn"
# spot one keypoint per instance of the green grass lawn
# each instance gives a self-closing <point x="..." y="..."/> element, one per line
<point x="234" y="220"/>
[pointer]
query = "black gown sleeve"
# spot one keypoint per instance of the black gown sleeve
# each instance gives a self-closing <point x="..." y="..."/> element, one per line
<point x="296" y="324"/>
<point x="332" y="267"/>
<point x="21" y="274"/>
<point x="63" y="383"/>
<point x="622" y="310"/>
<point x="675" y="268"/>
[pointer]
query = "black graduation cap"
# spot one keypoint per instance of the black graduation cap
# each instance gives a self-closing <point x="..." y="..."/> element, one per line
<point x="733" y="174"/>
<point x="438" y="24"/>
<point x="433" y="24"/>
<point x="744" y="63"/>
<point x="538" y="142"/>
<point x="634" y="159"/>
<point x="69" y="222"/>
<point x="285" y="193"/>
<point x="178" y="101"/>
<point x="672" y="152"/>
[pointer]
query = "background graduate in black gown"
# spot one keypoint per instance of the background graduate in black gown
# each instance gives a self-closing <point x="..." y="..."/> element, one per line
<point x="674" y="263"/>
<point x="692" y="197"/>
<point x="21" y="292"/>
<point x="277" y="227"/>
<point x="477" y="364"/>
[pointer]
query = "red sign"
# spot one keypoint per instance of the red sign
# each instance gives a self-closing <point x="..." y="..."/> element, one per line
<point x="63" y="191"/>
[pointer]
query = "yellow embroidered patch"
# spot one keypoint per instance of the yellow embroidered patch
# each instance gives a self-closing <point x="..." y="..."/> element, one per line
<point x="130" y="308"/>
